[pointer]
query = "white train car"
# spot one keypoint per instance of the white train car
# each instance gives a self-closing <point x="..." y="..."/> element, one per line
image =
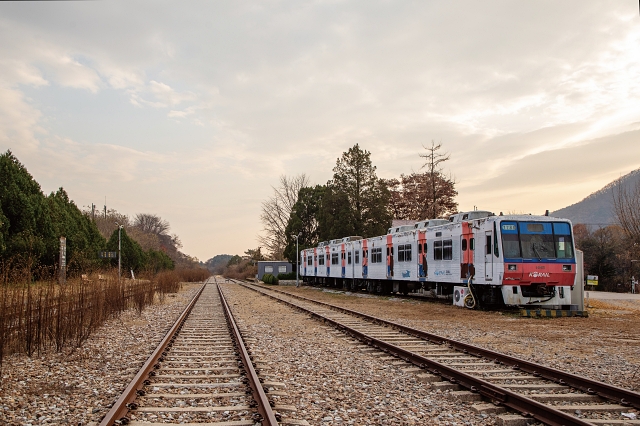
<point x="481" y="258"/>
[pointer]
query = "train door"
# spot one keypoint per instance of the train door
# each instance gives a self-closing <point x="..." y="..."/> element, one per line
<point x="467" y="268"/>
<point x="365" y="259"/>
<point x="422" y="254"/>
<point x="389" y="256"/>
<point x="488" y="255"/>
<point x="343" y="260"/>
<point x="327" y="260"/>
<point x="352" y="250"/>
<point x="315" y="262"/>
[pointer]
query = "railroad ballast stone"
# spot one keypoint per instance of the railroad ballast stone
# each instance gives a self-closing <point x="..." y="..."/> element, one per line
<point x="602" y="347"/>
<point x="332" y="381"/>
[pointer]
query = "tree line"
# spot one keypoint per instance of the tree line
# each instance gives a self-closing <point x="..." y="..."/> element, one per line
<point x="613" y="252"/>
<point x="31" y="224"/>
<point x="354" y="202"/>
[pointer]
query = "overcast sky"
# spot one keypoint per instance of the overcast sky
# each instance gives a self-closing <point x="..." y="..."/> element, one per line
<point x="192" y="110"/>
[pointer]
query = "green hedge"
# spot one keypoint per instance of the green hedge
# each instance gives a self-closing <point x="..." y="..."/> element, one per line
<point x="289" y="276"/>
<point x="269" y="279"/>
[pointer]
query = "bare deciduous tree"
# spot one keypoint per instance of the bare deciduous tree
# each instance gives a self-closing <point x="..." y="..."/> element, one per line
<point x="412" y="196"/>
<point x="626" y="204"/>
<point x="276" y="211"/>
<point x="151" y="224"/>
<point x="433" y="159"/>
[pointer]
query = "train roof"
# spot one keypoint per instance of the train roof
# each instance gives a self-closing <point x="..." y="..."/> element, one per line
<point x="530" y="217"/>
<point x="403" y="228"/>
<point x="474" y="214"/>
<point x="428" y="223"/>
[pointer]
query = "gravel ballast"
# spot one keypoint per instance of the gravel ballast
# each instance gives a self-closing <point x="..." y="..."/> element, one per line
<point x="332" y="379"/>
<point x="603" y="346"/>
<point x="329" y="378"/>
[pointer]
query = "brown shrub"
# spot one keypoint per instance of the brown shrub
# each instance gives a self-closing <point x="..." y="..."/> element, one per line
<point x="193" y="274"/>
<point x="243" y="270"/>
<point x="43" y="315"/>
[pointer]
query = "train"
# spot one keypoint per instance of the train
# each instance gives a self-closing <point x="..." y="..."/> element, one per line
<point x="476" y="258"/>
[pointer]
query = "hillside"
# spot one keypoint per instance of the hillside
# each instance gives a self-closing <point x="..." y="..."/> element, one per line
<point x="597" y="208"/>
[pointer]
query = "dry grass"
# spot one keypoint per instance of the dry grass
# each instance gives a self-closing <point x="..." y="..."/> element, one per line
<point x="41" y="316"/>
<point x="243" y="270"/>
<point x="613" y="308"/>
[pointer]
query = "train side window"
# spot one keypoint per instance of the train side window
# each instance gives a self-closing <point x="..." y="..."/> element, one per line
<point x="464" y="244"/>
<point x="437" y="250"/>
<point x="488" y="245"/>
<point x="376" y="255"/>
<point x="472" y="244"/>
<point x="419" y="248"/>
<point x="424" y="248"/>
<point x="334" y="258"/>
<point x="407" y="252"/>
<point x="349" y="258"/>
<point x="357" y="257"/>
<point x="447" y="250"/>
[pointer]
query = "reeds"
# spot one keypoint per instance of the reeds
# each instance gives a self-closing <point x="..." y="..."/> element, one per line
<point x="43" y="315"/>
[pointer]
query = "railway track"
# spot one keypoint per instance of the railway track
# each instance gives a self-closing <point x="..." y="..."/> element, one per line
<point x="201" y="373"/>
<point x="494" y="380"/>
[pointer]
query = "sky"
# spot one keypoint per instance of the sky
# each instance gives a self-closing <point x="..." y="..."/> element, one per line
<point x="193" y="110"/>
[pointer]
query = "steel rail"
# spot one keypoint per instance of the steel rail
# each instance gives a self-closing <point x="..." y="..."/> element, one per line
<point x="524" y="405"/>
<point x="264" y="407"/>
<point x="590" y="386"/>
<point x="120" y="408"/>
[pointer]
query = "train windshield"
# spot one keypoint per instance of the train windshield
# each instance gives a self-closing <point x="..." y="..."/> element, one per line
<point x="536" y="240"/>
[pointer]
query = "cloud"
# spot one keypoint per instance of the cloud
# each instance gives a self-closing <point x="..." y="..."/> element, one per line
<point x="228" y="96"/>
<point x="19" y="121"/>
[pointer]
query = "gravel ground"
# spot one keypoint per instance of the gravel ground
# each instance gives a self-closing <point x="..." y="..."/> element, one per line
<point x="78" y="387"/>
<point x="603" y="346"/>
<point x="328" y="377"/>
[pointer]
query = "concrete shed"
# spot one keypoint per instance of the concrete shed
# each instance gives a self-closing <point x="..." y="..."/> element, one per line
<point x="273" y="267"/>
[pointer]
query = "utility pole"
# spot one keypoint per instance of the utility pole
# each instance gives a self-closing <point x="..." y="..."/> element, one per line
<point x="297" y="260"/>
<point x="119" y="250"/>
<point x="62" y="278"/>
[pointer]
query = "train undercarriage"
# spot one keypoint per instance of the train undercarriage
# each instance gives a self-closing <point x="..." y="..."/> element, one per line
<point x="486" y="296"/>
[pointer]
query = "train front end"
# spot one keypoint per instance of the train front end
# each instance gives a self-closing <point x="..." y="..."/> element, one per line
<point x="539" y="262"/>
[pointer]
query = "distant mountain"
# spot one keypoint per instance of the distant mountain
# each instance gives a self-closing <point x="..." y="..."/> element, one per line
<point x="597" y="208"/>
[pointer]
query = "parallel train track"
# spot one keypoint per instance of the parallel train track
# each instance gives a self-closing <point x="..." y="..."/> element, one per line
<point x="201" y="373"/>
<point x="536" y="392"/>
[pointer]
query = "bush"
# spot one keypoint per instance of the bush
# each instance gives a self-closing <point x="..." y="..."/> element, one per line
<point x="289" y="276"/>
<point x="241" y="271"/>
<point x="269" y="279"/>
<point x="193" y="274"/>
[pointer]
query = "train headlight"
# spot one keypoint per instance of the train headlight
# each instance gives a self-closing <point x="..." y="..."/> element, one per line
<point x="512" y="267"/>
<point x="566" y="268"/>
